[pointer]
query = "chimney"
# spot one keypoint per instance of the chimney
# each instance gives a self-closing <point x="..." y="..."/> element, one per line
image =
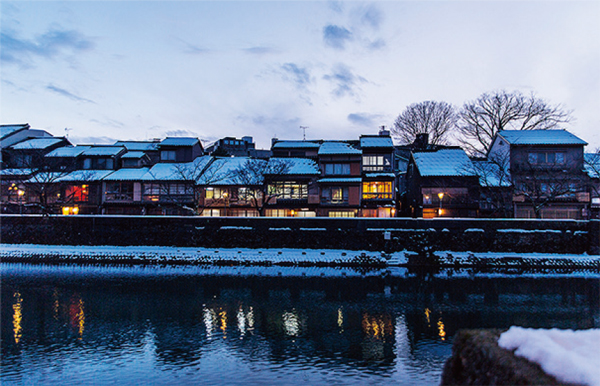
<point x="421" y="141"/>
<point x="383" y="132"/>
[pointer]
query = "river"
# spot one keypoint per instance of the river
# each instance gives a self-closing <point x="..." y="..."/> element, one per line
<point x="130" y="325"/>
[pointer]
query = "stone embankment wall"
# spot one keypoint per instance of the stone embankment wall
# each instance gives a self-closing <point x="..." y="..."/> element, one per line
<point x="390" y="235"/>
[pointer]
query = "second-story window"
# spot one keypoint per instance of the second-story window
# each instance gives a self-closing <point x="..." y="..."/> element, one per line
<point x="375" y="163"/>
<point x="289" y="190"/>
<point x="337" y="169"/>
<point x="546" y="158"/>
<point x="335" y="195"/>
<point x="168" y="155"/>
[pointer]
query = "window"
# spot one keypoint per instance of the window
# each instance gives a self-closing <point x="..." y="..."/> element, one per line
<point x="546" y="158"/>
<point x="235" y="212"/>
<point x="432" y="196"/>
<point x="168" y="155"/>
<point x="377" y="190"/>
<point x="335" y="195"/>
<point x="289" y="190"/>
<point x="77" y="193"/>
<point x="98" y="163"/>
<point x="277" y="213"/>
<point x="119" y="191"/>
<point x="339" y="169"/>
<point x="215" y="193"/>
<point x="87" y="163"/>
<point x="211" y="213"/>
<point x="375" y="163"/>
<point x="344" y="213"/>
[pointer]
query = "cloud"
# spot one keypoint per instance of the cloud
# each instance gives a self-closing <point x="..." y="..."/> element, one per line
<point x="52" y="44"/>
<point x="336" y="6"/>
<point x="279" y="124"/>
<point x="300" y="76"/>
<point x="371" y="16"/>
<point x="364" y="119"/>
<point x="336" y="36"/>
<point x="181" y="133"/>
<point x="260" y="50"/>
<point x="377" y="44"/>
<point x="344" y="80"/>
<point x="65" y="93"/>
<point x="109" y="122"/>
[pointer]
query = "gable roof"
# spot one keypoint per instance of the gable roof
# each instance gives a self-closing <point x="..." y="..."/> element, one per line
<point x="67" y="151"/>
<point x="104" y="150"/>
<point x="337" y="147"/>
<point x="6" y="130"/>
<point x="296" y="144"/>
<point x="444" y="162"/>
<point x="133" y="154"/>
<point x="377" y="141"/>
<point x="138" y="145"/>
<point x="37" y="143"/>
<point x="179" y="141"/>
<point x="127" y="175"/>
<point x="298" y="166"/>
<point x="540" y="137"/>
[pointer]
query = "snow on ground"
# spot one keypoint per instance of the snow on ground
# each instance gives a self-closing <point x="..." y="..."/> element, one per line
<point x="570" y="356"/>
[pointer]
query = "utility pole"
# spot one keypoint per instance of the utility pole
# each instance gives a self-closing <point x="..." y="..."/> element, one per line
<point x="304" y="132"/>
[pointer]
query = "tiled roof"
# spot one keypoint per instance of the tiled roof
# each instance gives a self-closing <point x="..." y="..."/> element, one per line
<point x="179" y="141"/>
<point x="138" y="145"/>
<point x="221" y="171"/>
<point x="376" y="141"/>
<point x="296" y="144"/>
<point x="298" y="166"/>
<point x="103" y="150"/>
<point x="379" y="175"/>
<point x="85" y="175"/>
<point x="341" y="180"/>
<point x="445" y="162"/>
<point x="186" y="171"/>
<point x="540" y="137"/>
<point x="6" y="130"/>
<point x="15" y="172"/>
<point x="133" y="154"/>
<point x="127" y="175"/>
<point x="37" y="143"/>
<point x="67" y="151"/>
<point x="337" y="148"/>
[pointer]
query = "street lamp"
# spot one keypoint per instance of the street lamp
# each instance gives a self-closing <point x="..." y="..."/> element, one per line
<point x="441" y="197"/>
<point x="20" y="193"/>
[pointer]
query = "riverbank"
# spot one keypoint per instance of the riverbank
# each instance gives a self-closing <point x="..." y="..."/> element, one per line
<point x="287" y="257"/>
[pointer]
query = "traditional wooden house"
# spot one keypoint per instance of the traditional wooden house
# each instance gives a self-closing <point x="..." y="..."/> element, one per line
<point x="180" y="149"/>
<point x="378" y="177"/>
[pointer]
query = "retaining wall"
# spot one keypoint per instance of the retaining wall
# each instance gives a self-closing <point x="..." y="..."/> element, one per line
<point x="379" y="234"/>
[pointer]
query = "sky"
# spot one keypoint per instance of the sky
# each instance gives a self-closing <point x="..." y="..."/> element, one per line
<point x="101" y="71"/>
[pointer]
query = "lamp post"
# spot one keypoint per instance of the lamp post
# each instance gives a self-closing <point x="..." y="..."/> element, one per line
<point x="441" y="197"/>
<point x="20" y="194"/>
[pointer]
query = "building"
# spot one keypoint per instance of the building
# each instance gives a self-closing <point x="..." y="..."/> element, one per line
<point x="379" y="182"/>
<point x="547" y="172"/>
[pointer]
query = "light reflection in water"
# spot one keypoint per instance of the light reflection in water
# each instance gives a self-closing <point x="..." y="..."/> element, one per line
<point x="377" y="326"/>
<point x="223" y="323"/>
<point x="77" y="315"/>
<point x="441" y="331"/>
<point x="340" y="320"/>
<point x="291" y="323"/>
<point x="210" y="321"/>
<point x="18" y="317"/>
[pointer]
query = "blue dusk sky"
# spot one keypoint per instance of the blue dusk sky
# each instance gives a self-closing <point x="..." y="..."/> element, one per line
<point x="135" y="70"/>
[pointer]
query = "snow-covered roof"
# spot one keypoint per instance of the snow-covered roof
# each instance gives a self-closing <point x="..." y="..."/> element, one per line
<point x="592" y="164"/>
<point x="337" y="148"/>
<point x="6" y="130"/>
<point x="491" y="174"/>
<point x="341" y="180"/>
<point x="186" y="171"/>
<point x="221" y="171"/>
<point x="445" y="162"/>
<point x="45" y="177"/>
<point x="104" y="150"/>
<point x="15" y="172"/>
<point x="37" y="143"/>
<point x="540" y="137"/>
<point x="179" y="141"/>
<point x="376" y="141"/>
<point x="133" y="154"/>
<point x="138" y="145"/>
<point x="67" y="151"/>
<point x="297" y="144"/>
<point x="297" y="165"/>
<point x="84" y="176"/>
<point x="127" y="175"/>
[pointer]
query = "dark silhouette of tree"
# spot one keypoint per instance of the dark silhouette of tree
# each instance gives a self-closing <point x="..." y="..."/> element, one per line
<point x="252" y="175"/>
<point x="480" y="120"/>
<point x="438" y="119"/>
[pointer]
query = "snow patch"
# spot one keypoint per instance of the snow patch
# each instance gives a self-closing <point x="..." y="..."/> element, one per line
<point x="570" y="356"/>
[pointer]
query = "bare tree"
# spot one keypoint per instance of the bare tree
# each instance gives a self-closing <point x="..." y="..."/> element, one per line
<point x="438" y="119"/>
<point x="252" y="175"/>
<point x="591" y="164"/>
<point x="480" y="120"/>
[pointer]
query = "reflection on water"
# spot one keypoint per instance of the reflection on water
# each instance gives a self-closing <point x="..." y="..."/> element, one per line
<point x="127" y="325"/>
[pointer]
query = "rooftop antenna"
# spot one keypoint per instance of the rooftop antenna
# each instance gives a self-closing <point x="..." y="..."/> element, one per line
<point x="304" y="132"/>
<point x="67" y="132"/>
